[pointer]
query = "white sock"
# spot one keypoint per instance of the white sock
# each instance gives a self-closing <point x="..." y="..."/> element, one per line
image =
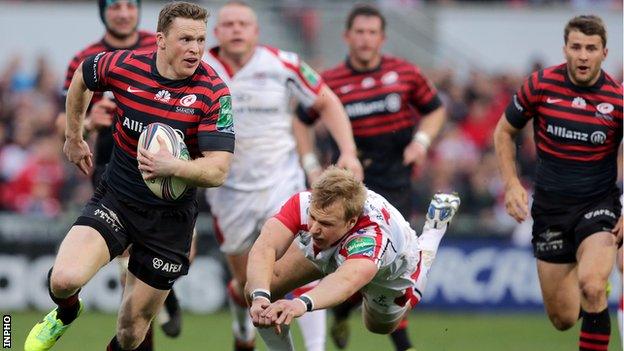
<point x="312" y="325"/>
<point x="428" y="243"/>
<point x="430" y="238"/>
<point x="242" y="326"/>
<point x="274" y="342"/>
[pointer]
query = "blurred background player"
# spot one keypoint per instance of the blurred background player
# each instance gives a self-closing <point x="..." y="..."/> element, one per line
<point x="265" y="170"/>
<point x="356" y="241"/>
<point x="121" y="20"/>
<point x="391" y="140"/>
<point x="123" y="212"/>
<point x="576" y="109"/>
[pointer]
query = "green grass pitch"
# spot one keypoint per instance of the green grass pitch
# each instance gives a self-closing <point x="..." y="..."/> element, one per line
<point x="429" y="331"/>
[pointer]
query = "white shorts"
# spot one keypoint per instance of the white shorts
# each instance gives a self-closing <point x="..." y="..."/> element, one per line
<point x="239" y="215"/>
<point x="387" y="305"/>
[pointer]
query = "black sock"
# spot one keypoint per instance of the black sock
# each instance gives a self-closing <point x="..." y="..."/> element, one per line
<point x="148" y="342"/>
<point x="113" y="345"/>
<point x="595" y="331"/>
<point x="399" y="337"/>
<point x="67" y="307"/>
<point x="146" y="345"/>
<point x="171" y="302"/>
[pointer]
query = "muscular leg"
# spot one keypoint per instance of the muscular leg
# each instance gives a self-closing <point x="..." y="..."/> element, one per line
<point x="140" y="304"/>
<point x="562" y="300"/>
<point x="81" y="254"/>
<point x="595" y="257"/>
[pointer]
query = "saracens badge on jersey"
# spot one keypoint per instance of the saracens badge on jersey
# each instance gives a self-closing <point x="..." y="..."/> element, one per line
<point x="225" y="122"/>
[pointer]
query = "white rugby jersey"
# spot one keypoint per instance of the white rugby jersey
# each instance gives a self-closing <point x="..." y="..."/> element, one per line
<point x="261" y="105"/>
<point x="381" y="235"/>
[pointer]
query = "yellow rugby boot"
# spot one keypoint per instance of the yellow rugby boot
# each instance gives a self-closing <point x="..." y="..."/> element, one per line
<point x="45" y="333"/>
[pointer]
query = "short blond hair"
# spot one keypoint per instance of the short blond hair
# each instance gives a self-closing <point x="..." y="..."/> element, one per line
<point x="336" y="184"/>
<point x="180" y="9"/>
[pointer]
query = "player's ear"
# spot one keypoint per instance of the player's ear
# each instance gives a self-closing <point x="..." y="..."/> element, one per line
<point x="160" y="40"/>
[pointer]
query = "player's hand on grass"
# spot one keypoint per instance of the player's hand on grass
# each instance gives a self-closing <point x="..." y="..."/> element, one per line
<point x="101" y="115"/>
<point x="77" y="152"/>
<point x="517" y="201"/>
<point x="159" y="164"/>
<point x="414" y="154"/>
<point x="617" y="231"/>
<point x="351" y="162"/>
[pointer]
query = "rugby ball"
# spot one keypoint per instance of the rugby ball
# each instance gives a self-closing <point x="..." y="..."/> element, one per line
<point x="166" y="188"/>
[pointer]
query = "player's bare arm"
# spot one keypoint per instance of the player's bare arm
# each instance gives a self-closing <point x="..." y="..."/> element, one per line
<point x="429" y="128"/>
<point x="76" y="148"/>
<point x="332" y="113"/>
<point x="335" y="288"/>
<point x="273" y="242"/>
<point x="516" y="197"/>
<point x="207" y="171"/>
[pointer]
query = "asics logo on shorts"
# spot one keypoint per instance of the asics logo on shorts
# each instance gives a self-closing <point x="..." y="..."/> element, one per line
<point x="601" y="212"/>
<point x="161" y="265"/>
<point x="110" y="217"/>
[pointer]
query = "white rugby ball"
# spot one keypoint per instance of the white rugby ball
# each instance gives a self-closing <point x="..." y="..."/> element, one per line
<point x="166" y="188"/>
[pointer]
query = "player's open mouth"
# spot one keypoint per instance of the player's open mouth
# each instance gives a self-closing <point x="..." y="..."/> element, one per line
<point x="191" y="61"/>
<point x="583" y="69"/>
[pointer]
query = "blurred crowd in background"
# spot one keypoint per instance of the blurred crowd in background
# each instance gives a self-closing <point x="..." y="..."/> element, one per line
<point x="36" y="179"/>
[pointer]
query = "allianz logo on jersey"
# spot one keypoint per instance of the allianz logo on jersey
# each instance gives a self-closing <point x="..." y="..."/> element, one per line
<point x="139" y="126"/>
<point x="597" y="137"/>
<point x="390" y="103"/>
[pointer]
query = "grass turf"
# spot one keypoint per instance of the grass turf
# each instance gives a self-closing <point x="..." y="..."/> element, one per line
<point x="429" y="331"/>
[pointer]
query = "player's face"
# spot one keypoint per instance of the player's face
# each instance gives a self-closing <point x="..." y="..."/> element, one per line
<point x="122" y="18"/>
<point x="183" y="46"/>
<point x="365" y="38"/>
<point x="327" y="225"/>
<point x="236" y="30"/>
<point x="584" y="55"/>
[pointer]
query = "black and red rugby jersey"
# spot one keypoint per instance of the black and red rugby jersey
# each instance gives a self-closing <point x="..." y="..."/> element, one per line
<point x="577" y="130"/>
<point x="104" y="142"/>
<point x="199" y="107"/>
<point x="384" y="106"/>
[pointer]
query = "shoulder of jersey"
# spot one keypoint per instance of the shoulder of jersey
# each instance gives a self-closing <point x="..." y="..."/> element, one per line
<point x="286" y="57"/>
<point x="93" y="49"/>
<point x="614" y="83"/>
